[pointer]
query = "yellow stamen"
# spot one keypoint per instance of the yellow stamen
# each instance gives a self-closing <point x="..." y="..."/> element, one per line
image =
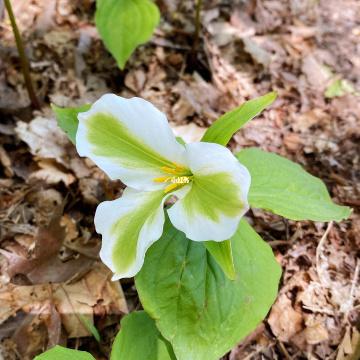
<point x="163" y="179"/>
<point x="171" y="187"/>
<point x="180" y="167"/>
<point x="170" y="170"/>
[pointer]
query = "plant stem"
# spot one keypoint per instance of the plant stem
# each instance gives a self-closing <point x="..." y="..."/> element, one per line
<point x="23" y="59"/>
<point x="197" y="26"/>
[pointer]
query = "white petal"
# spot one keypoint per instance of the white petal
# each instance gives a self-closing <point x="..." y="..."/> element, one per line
<point x="129" y="139"/>
<point x="213" y="207"/>
<point x="129" y="225"/>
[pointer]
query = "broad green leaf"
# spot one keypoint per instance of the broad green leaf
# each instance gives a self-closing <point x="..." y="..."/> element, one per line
<point x="196" y="307"/>
<point x="125" y="24"/>
<point x="222" y="130"/>
<point x="61" y="353"/>
<point x="222" y="253"/>
<point x="286" y="189"/>
<point x="67" y="119"/>
<point x="139" y="339"/>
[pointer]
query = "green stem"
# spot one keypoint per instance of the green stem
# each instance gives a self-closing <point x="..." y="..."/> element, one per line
<point x="23" y="59"/>
<point x="197" y="26"/>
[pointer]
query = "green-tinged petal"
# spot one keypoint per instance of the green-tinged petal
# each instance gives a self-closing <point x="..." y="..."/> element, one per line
<point x="129" y="225"/>
<point x="213" y="207"/>
<point x="129" y="139"/>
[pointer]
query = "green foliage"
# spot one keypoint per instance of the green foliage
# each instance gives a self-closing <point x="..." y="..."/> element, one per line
<point x="227" y="125"/>
<point x="204" y="298"/>
<point x="286" y="189"/>
<point x="339" y="87"/>
<point x="222" y="253"/>
<point x="201" y="312"/>
<point x="90" y="327"/>
<point x="220" y="132"/>
<point x="139" y="339"/>
<point x="125" y="24"/>
<point x="67" y="119"/>
<point x="61" y="353"/>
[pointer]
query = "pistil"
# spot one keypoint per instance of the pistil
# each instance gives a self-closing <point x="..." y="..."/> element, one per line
<point x="179" y="176"/>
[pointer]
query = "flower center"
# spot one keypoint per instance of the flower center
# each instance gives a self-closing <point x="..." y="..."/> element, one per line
<point x="178" y="176"/>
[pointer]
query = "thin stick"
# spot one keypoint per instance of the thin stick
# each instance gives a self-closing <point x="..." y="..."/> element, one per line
<point x="319" y="252"/>
<point x="197" y="27"/>
<point x="23" y="59"/>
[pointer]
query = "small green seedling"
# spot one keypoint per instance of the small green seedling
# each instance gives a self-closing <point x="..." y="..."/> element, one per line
<point x="125" y="24"/>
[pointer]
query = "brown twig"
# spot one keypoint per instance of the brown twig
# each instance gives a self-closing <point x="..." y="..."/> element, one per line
<point x="195" y="44"/>
<point x="23" y="59"/>
<point x="197" y="25"/>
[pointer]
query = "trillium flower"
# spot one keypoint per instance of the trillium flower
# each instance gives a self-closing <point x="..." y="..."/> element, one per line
<point x="131" y="140"/>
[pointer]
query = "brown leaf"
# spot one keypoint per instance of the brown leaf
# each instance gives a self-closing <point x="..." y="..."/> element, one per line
<point x="43" y="261"/>
<point x="82" y="297"/>
<point x="284" y="321"/>
<point x="51" y="173"/>
<point x="44" y="138"/>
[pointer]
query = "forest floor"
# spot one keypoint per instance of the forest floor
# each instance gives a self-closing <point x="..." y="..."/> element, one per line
<point x="306" y="50"/>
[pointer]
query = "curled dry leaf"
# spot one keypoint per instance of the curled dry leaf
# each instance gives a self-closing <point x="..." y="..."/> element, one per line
<point x="51" y="173"/>
<point x="44" y="138"/>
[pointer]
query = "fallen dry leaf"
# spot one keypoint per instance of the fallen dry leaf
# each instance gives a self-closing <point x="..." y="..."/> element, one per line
<point x="51" y="173"/>
<point x="32" y="312"/>
<point x="189" y="133"/>
<point x="44" y="138"/>
<point x="315" y="330"/>
<point x="82" y="297"/>
<point x="284" y="321"/>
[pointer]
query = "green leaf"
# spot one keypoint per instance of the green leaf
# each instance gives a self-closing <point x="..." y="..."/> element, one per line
<point x="222" y="253"/>
<point x="125" y="24"/>
<point x="139" y="339"/>
<point x="67" y="119"/>
<point x="339" y="87"/>
<point x="90" y="327"/>
<point x="201" y="312"/>
<point x="222" y="130"/>
<point x="61" y="353"/>
<point x="286" y="189"/>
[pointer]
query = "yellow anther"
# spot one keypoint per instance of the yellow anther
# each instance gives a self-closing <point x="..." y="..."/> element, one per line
<point x="170" y="170"/>
<point x="180" y="167"/>
<point x="171" y="187"/>
<point x="162" y="179"/>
